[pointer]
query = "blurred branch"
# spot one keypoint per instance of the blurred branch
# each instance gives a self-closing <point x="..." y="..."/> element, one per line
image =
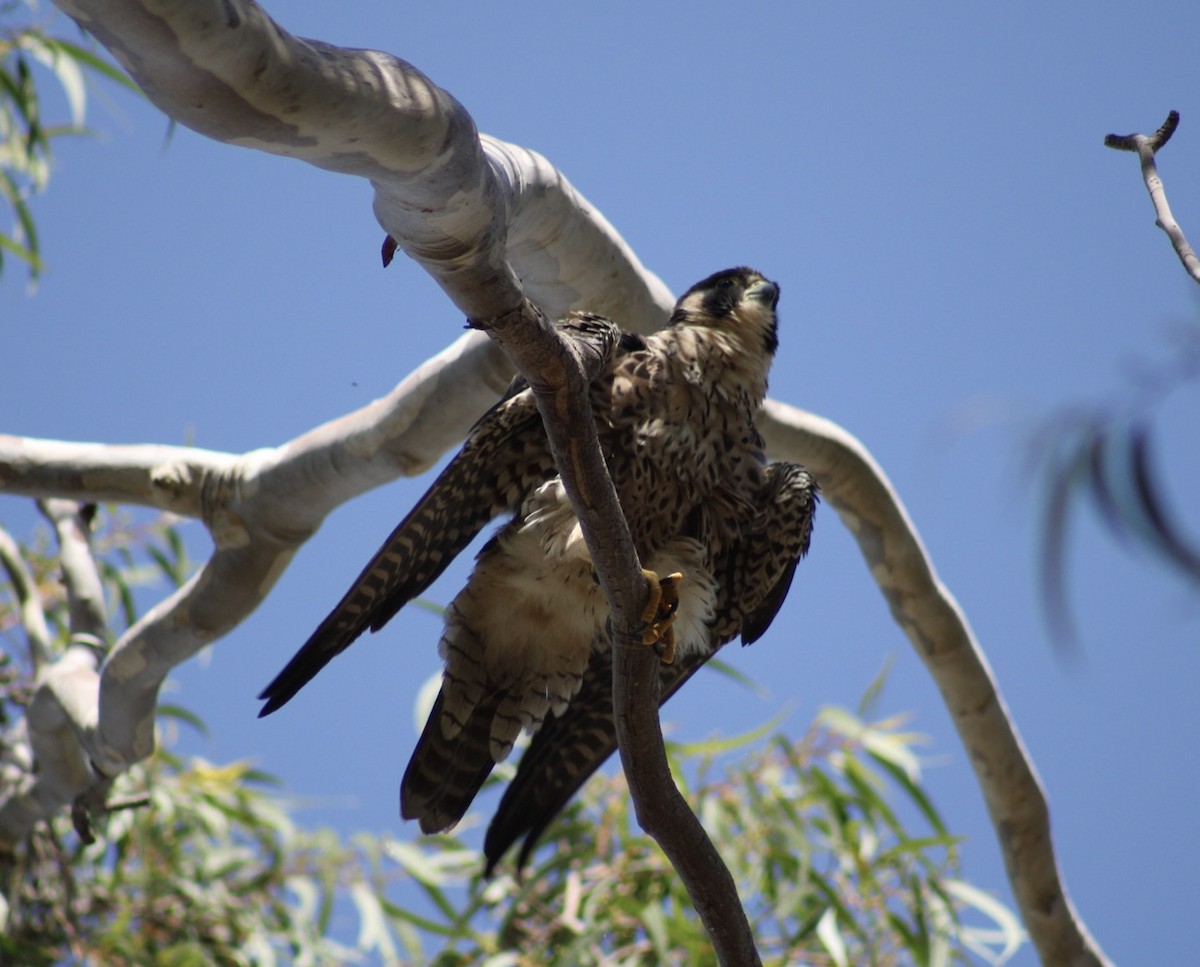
<point x="1103" y="455"/>
<point x="1146" y="147"/>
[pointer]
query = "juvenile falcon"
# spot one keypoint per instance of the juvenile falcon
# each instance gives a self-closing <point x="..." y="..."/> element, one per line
<point x="526" y="641"/>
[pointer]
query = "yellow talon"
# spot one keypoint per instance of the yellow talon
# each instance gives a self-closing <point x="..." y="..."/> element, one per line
<point x="659" y="615"/>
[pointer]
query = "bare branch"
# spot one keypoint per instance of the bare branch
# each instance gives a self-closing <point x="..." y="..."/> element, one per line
<point x="864" y="499"/>
<point x="1145" y="147"/>
<point x="1132" y="142"/>
<point x="663" y="813"/>
<point x="88" y="618"/>
<point x="29" y="606"/>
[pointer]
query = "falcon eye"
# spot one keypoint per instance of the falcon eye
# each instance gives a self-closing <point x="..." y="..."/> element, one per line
<point x="723" y="297"/>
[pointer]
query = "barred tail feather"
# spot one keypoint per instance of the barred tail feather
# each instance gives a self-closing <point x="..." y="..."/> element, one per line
<point x="444" y="775"/>
<point x="563" y="755"/>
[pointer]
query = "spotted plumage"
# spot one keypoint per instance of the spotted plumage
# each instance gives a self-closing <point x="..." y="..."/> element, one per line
<point x="526" y="641"/>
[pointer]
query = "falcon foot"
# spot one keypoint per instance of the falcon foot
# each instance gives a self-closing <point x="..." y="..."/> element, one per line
<point x="659" y="616"/>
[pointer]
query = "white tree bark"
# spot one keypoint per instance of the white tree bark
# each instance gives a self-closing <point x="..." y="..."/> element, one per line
<point x="492" y="223"/>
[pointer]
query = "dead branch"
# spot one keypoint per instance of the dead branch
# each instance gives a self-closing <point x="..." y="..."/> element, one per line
<point x="1146" y="147"/>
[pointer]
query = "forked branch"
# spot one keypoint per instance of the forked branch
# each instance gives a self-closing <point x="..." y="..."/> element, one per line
<point x="1146" y="146"/>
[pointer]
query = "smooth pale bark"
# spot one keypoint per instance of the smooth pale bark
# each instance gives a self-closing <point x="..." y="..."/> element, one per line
<point x="924" y="608"/>
<point x="1146" y="146"/>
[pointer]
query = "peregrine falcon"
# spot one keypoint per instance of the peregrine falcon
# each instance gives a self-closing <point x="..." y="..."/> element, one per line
<point x="526" y="643"/>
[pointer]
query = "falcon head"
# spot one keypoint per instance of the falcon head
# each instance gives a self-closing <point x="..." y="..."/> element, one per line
<point x="738" y="301"/>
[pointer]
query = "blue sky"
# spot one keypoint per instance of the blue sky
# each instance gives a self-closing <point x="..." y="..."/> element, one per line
<point x="959" y="257"/>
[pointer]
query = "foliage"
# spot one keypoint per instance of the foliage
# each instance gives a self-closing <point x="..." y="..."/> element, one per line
<point x="25" y="137"/>
<point x="830" y="873"/>
<point x="208" y="866"/>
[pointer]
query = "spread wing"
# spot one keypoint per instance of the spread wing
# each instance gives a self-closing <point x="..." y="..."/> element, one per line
<point x="753" y="579"/>
<point x="504" y="456"/>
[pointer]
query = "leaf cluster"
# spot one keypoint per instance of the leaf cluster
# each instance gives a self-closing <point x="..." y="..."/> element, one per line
<point x="830" y="872"/>
<point x="836" y="847"/>
<point x="25" y="135"/>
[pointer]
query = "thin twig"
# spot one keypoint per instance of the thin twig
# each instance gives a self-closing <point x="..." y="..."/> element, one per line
<point x="1146" y="146"/>
<point x="29" y="605"/>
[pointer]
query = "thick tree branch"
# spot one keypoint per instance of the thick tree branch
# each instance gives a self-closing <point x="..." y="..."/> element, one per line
<point x="1146" y="147"/>
<point x="864" y="499"/>
<point x="475" y="212"/>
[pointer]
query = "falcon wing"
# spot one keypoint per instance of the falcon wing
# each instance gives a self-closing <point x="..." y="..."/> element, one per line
<point x="505" y="455"/>
<point x="753" y="578"/>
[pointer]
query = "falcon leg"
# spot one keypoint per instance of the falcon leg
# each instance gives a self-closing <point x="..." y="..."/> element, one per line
<point x="658" y="618"/>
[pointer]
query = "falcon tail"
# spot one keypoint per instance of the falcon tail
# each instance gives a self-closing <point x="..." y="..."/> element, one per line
<point x="563" y="755"/>
<point x="444" y="775"/>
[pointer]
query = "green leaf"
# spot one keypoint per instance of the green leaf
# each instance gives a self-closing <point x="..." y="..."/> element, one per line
<point x="655" y="922"/>
<point x="178" y="712"/>
<point x="914" y="792"/>
<point x="870" y="699"/>
<point x="1009" y="934"/>
<point x="893" y="747"/>
<point x="65" y="68"/>
<point x="97" y="64"/>
<point x="831" y="938"/>
<point x="715" y="746"/>
<point x="728" y="671"/>
<point x="373" y="933"/>
<point x="26" y="255"/>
